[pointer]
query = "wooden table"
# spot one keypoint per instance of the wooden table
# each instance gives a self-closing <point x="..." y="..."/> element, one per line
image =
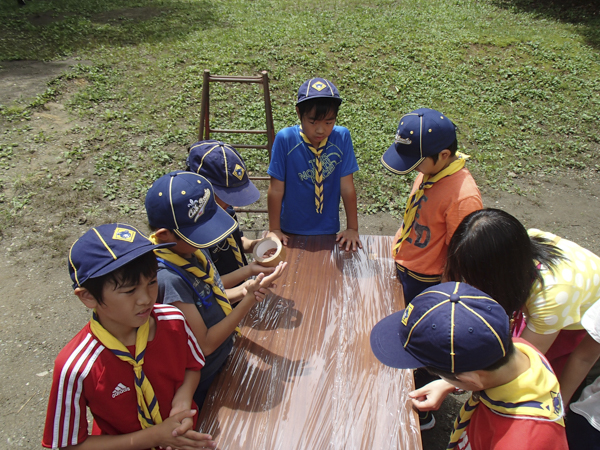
<point x="303" y="376"/>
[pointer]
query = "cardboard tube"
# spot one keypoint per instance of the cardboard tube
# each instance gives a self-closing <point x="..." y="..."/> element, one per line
<point x="264" y="246"/>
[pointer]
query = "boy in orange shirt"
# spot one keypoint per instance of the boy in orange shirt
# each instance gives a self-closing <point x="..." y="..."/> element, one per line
<point x="443" y="193"/>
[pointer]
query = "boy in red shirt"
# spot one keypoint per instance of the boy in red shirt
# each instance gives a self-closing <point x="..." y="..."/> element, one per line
<point x="462" y="335"/>
<point x="136" y="364"/>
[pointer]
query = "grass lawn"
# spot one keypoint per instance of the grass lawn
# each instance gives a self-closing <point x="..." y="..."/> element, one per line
<point x="521" y="79"/>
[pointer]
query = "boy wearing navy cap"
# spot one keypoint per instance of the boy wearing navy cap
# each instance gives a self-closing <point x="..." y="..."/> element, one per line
<point x="462" y="335"/>
<point x="443" y="193"/>
<point x="223" y="166"/>
<point x="311" y="168"/>
<point x="181" y="208"/>
<point x="116" y="364"/>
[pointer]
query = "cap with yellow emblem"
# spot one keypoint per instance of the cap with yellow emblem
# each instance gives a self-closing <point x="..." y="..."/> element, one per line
<point x="452" y="327"/>
<point x="223" y="166"/>
<point x="184" y="202"/>
<point x="106" y="248"/>
<point x="421" y="133"/>
<point x="318" y="88"/>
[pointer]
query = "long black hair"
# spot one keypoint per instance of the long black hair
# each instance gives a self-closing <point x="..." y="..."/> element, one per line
<point x="492" y="251"/>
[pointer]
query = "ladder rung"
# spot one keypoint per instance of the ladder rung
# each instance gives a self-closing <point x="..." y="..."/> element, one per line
<point x="237" y="79"/>
<point x="214" y="130"/>
<point x="249" y="146"/>
<point x="241" y="210"/>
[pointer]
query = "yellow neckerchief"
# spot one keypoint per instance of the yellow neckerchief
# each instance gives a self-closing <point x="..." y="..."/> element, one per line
<point x="148" y="412"/>
<point x="533" y="394"/>
<point x="318" y="170"/>
<point x="414" y="201"/>
<point x="207" y="275"/>
<point x="236" y="250"/>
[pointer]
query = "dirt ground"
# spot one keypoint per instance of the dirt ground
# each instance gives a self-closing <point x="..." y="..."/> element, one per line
<point x="39" y="314"/>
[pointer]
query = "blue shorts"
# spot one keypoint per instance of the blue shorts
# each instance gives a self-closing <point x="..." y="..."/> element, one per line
<point x="414" y="283"/>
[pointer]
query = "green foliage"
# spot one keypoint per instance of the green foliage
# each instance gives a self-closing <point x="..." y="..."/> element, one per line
<point x="520" y="79"/>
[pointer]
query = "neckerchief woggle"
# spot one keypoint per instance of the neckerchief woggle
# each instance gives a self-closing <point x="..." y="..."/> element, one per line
<point x="207" y="275"/>
<point x="318" y="170"/>
<point x="148" y="411"/>
<point x="415" y="200"/>
<point x="535" y="394"/>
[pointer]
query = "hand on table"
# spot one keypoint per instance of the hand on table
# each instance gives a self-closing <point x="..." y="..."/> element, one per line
<point x="350" y="239"/>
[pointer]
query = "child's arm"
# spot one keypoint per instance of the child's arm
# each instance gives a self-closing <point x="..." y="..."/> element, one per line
<point x="431" y="396"/>
<point x="248" y="244"/>
<point x="182" y="399"/>
<point x="211" y="338"/>
<point x="577" y="366"/>
<point x="350" y="236"/>
<point x="163" y="435"/>
<point x="274" y="199"/>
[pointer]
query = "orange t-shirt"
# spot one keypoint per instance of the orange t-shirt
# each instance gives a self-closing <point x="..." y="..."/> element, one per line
<point x="441" y="210"/>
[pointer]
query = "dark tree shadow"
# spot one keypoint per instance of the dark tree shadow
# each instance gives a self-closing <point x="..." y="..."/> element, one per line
<point x="584" y="13"/>
<point x="49" y="30"/>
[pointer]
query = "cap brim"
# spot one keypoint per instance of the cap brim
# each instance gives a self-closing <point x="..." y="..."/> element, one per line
<point x="211" y="232"/>
<point x="399" y="164"/>
<point x="124" y="259"/>
<point x="238" y="196"/>
<point x="387" y="346"/>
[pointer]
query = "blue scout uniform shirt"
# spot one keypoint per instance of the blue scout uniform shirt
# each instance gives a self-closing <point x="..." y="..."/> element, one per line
<point x="293" y="163"/>
<point x="172" y="288"/>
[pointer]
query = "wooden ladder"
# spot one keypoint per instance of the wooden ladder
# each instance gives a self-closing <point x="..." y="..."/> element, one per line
<point x="205" y="130"/>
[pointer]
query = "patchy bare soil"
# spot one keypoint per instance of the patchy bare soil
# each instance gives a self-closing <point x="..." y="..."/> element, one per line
<point x="39" y="314"/>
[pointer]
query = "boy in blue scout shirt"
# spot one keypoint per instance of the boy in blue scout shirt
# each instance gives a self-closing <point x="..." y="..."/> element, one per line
<point x="223" y="166"/>
<point x="181" y="208"/>
<point x="311" y="168"/>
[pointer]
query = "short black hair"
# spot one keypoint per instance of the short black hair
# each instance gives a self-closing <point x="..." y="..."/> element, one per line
<point x="128" y="274"/>
<point x="322" y="106"/>
<point x="452" y="147"/>
<point x="510" y="350"/>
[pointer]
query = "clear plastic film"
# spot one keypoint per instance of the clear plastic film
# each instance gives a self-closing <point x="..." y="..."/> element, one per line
<point x="303" y="375"/>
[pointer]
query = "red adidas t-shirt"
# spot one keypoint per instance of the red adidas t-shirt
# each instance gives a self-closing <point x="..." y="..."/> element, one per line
<point x="86" y="374"/>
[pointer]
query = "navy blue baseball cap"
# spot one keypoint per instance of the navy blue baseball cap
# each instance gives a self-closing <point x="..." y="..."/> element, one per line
<point x="106" y="248"/>
<point x="317" y="88"/>
<point x="452" y="327"/>
<point x="184" y="202"/>
<point x="223" y="166"/>
<point x="421" y="133"/>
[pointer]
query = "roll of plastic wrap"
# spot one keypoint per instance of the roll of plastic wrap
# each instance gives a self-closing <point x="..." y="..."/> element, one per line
<point x="265" y="247"/>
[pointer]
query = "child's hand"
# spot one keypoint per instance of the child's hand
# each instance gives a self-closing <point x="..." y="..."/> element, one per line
<point x="279" y="235"/>
<point x="350" y="238"/>
<point x="256" y="268"/>
<point x="176" y="433"/>
<point x="260" y="286"/>
<point x="431" y="396"/>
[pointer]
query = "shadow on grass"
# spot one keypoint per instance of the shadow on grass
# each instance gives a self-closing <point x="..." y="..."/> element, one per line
<point x="583" y="13"/>
<point x="46" y="30"/>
